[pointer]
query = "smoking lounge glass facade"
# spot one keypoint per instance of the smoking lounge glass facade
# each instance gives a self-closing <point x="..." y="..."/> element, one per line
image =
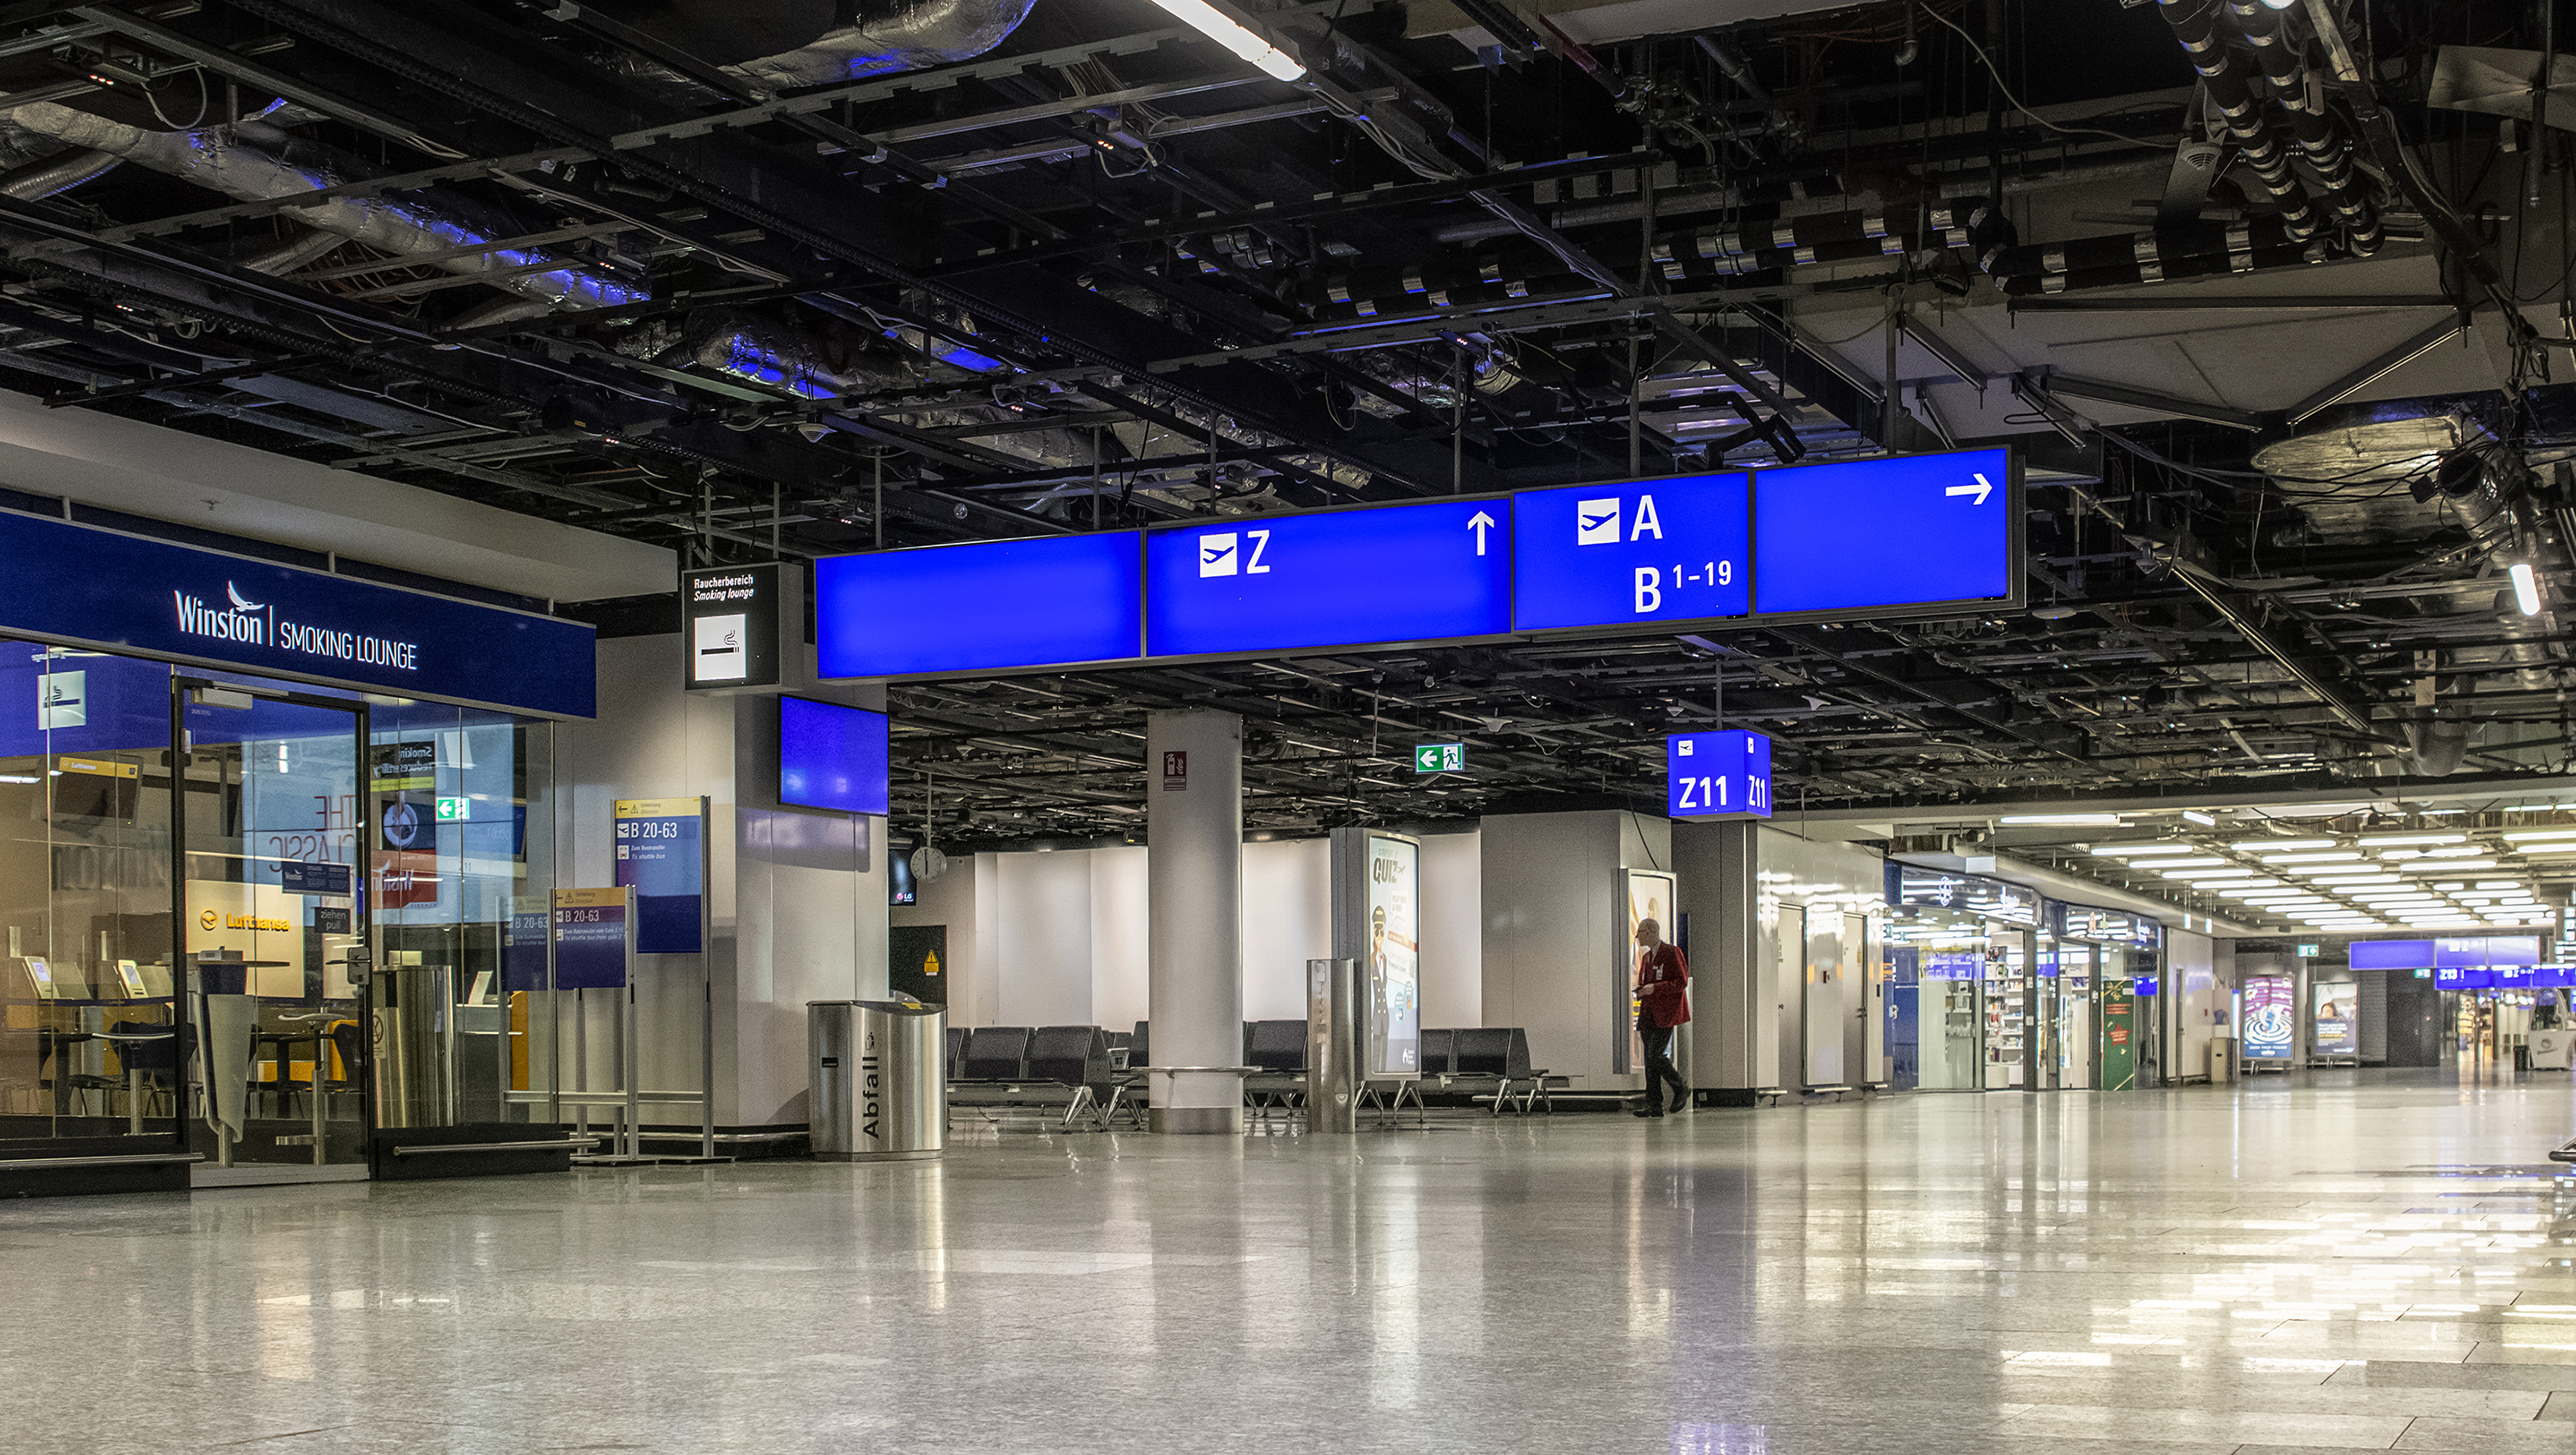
<point x="194" y="866"/>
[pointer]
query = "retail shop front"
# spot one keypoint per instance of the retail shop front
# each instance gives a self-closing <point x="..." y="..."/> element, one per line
<point x="2095" y="1000"/>
<point x="268" y="832"/>
<point x="1961" y="949"/>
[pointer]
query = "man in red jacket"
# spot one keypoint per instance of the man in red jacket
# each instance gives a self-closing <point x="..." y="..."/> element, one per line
<point x="1662" y="977"/>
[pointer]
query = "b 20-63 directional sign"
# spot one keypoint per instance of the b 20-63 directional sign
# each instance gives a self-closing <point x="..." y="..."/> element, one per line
<point x="1717" y="775"/>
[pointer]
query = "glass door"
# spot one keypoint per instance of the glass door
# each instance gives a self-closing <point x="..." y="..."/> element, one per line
<point x="270" y="831"/>
<point x="2075" y="977"/>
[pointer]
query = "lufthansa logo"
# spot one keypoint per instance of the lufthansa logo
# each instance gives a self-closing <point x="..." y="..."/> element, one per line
<point x="207" y="920"/>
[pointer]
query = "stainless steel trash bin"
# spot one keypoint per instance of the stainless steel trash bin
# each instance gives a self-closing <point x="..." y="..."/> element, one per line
<point x="878" y="1070"/>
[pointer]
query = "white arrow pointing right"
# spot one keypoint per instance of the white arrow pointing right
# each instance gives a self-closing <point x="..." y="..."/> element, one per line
<point x="1981" y="489"/>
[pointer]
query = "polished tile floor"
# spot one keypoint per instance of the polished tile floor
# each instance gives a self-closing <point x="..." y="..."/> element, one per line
<point x="2368" y="1261"/>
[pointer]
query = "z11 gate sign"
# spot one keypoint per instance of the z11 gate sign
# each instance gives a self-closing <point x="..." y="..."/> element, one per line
<point x="1717" y="775"/>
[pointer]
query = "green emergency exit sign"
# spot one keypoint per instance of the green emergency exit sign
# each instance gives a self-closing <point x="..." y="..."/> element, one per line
<point x="455" y="810"/>
<point x="2307" y="952"/>
<point x="1440" y="757"/>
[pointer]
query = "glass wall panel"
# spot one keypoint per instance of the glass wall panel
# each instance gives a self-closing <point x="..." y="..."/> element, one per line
<point x="88" y="1044"/>
<point x="464" y="864"/>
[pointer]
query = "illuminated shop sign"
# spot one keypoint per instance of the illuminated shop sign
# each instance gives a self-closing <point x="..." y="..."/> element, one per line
<point x="105" y="589"/>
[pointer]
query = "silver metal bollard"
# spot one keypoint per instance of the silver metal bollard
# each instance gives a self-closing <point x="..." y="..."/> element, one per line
<point x="878" y="1082"/>
<point x="1332" y="1046"/>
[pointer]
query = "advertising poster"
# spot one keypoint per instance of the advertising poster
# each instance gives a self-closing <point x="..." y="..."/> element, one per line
<point x="1650" y="897"/>
<point x="2271" y="1018"/>
<point x="2338" y="1024"/>
<point x="1393" y="966"/>
<point x="661" y="855"/>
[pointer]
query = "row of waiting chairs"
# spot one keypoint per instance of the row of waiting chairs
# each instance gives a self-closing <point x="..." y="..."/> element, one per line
<point x="1087" y="1070"/>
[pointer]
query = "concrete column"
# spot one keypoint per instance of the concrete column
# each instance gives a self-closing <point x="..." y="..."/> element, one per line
<point x="1194" y="915"/>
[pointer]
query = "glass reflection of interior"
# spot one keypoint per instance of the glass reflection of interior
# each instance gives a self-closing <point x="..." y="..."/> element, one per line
<point x="1950" y="961"/>
<point x="273" y="797"/>
<point x="88" y="1046"/>
<point x="463" y="857"/>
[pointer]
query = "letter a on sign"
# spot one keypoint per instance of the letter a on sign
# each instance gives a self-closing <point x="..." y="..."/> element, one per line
<point x="1176" y="772"/>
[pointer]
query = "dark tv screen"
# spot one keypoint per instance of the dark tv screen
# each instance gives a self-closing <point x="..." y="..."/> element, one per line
<point x="831" y="756"/>
<point x="900" y="886"/>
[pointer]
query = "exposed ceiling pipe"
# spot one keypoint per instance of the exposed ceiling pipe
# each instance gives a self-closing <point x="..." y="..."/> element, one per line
<point x="256" y="162"/>
<point x="58" y="173"/>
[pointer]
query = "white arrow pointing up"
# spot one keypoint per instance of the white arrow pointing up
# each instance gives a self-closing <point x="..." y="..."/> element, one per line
<point x="1981" y="489"/>
<point x="1480" y="523"/>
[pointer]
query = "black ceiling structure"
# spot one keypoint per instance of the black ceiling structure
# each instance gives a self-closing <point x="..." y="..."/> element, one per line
<point x="798" y="278"/>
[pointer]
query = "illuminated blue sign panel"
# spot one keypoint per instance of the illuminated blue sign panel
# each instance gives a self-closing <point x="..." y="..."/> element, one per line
<point x="1343" y="578"/>
<point x="1045" y="602"/>
<point x="79" y="584"/>
<point x="1717" y="775"/>
<point x="831" y="756"/>
<point x="1673" y="549"/>
<point x="1913" y="530"/>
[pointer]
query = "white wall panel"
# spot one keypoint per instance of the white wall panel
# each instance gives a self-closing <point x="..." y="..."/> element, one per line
<point x="1042" y="954"/>
<point x="1287" y="920"/>
<point x="1119" y="979"/>
<point x="1453" y="949"/>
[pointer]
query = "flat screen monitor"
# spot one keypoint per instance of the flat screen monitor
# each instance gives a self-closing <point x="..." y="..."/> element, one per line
<point x="830" y="756"/>
<point x="901" y="887"/>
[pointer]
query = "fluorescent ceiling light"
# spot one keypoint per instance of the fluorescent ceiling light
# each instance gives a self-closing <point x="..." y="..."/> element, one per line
<point x="2169" y="846"/>
<point x="2391" y="841"/>
<point x="2462" y="852"/>
<point x="2266" y="846"/>
<point x="2011" y="818"/>
<point x="2208" y="876"/>
<point x="2533" y="807"/>
<point x="2345" y="876"/>
<point x="2346" y="855"/>
<point x="2446" y="866"/>
<point x="2526" y="588"/>
<point x="2540" y="834"/>
<point x="1237" y="37"/>
<point x="2499" y="884"/>
<point x="2193" y="815"/>
<point x="2205" y="861"/>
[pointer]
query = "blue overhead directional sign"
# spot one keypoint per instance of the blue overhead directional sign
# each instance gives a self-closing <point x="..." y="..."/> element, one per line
<point x="1650" y="550"/>
<point x="1717" y="775"/>
<point x="1908" y="531"/>
<point x="1340" y="578"/>
<point x="1042" y="602"/>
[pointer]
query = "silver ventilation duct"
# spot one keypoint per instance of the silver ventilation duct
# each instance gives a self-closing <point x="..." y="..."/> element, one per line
<point x="812" y="363"/>
<point x="255" y="162"/>
<point x="58" y="173"/>
<point x="932" y="33"/>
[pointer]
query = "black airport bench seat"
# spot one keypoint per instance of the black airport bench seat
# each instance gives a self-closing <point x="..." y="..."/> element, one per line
<point x="1488" y="1060"/>
<point x="1050" y="1066"/>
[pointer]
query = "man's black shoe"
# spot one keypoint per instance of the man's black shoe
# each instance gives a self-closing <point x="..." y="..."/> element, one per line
<point x="1680" y="1102"/>
<point x="1650" y="1110"/>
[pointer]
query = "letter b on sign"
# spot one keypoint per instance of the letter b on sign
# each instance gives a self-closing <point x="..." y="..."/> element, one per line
<point x="1650" y="595"/>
